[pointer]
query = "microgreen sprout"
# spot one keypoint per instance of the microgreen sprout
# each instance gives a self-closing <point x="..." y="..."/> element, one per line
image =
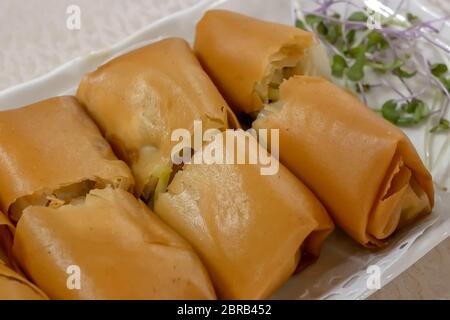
<point x="444" y="124"/>
<point x="356" y="49"/>
<point x="389" y="56"/>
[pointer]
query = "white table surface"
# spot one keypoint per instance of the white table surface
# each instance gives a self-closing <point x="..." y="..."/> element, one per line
<point x="34" y="39"/>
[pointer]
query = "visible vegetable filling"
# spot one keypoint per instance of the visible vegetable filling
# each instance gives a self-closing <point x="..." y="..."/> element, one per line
<point x="70" y="194"/>
<point x="158" y="182"/>
<point x="292" y="60"/>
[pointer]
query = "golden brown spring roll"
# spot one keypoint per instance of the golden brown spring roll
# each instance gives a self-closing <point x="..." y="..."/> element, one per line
<point x="12" y="285"/>
<point x="6" y="236"/>
<point x="52" y="153"/>
<point x="139" y="98"/>
<point x="363" y="168"/>
<point x="248" y="58"/>
<point x="117" y="247"/>
<point x="15" y="287"/>
<point x="250" y="230"/>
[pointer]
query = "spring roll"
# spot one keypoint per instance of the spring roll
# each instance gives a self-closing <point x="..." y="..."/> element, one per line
<point x="248" y="58"/>
<point x="139" y="98"/>
<point x="15" y="287"/>
<point x="51" y="153"/>
<point x="107" y="246"/>
<point x="364" y="169"/>
<point x="250" y="230"/>
<point x="6" y="236"/>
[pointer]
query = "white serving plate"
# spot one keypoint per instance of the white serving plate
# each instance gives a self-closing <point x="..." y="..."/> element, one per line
<point x="340" y="273"/>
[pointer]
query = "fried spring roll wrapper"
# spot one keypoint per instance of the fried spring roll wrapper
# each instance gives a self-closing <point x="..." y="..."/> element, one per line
<point x="250" y="230"/>
<point x="122" y="249"/>
<point x="138" y="99"/>
<point x="248" y="58"/>
<point x="364" y="169"/>
<point x="7" y="231"/>
<point x="12" y="285"/>
<point x="52" y="152"/>
<point x="15" y="287"/>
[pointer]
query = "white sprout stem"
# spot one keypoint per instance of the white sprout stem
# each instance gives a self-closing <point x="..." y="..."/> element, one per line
<point x="437" y="100"/>
<point x="442" y="151"/>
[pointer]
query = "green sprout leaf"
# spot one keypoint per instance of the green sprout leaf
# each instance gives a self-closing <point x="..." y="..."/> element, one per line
<point x="405" y="122"/>
<point x="358" y="16"/>
<point x="384" y="67"/>
<point x="322" y="28"/>
<point x="413" y="105"/>
<point x="401" y="73"/>
<point x="336" y="16"/>
<point x="312" y="19"/>
<point x="438" y="69"/>
<point x="350" y="36"/>
<point x="355" y="51"/>
<point x="417" y="109"/>
<point x="365" y="87"/>
<point x="443" y="125"/>
<point x="376" y="41"/>
<point x="334" y="33"/>
<point x="411" y="17"/>
<point x="445" y="82"/>
<point x="338" y="66"/>
<point x="390" y="112"/>
<point x="421" y="110"/>
<point x="410" y="113"/>
<point x="356" y="71"/>
<point x="300" y="24"/>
